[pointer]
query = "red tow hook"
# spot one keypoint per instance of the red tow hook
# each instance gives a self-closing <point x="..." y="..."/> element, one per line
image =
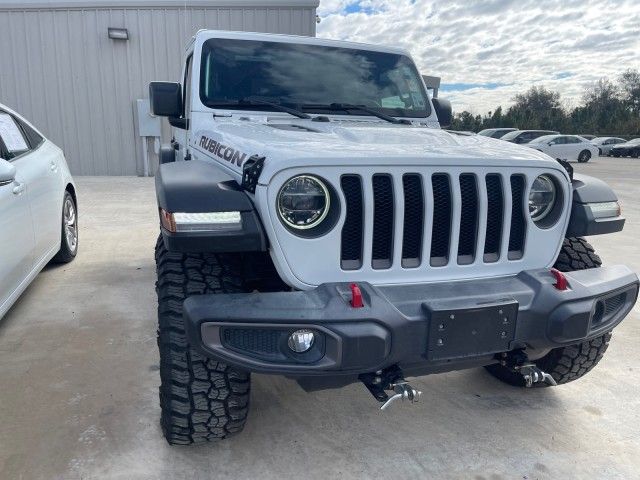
<point x="356" y="296"/>
<point x="561" y="280"/>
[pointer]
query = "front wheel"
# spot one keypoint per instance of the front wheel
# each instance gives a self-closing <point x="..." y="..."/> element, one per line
<point x="584" y="156"/>
<point x="69" y="241"/>
<point x="202" y="400"/>
<point x="572" y="362"/>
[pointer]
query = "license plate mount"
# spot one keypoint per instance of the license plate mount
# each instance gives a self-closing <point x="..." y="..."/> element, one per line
<point x="472" y="330"/>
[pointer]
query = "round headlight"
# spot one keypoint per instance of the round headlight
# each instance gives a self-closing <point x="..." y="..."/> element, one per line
<point x="303" y="202"/>
<point x="542" y="197"/>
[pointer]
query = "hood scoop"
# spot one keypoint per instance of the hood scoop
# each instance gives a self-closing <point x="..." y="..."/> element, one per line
<point x="292" y="127"/>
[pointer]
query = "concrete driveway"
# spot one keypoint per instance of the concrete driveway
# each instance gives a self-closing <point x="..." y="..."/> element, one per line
<point x="79" y="379"/>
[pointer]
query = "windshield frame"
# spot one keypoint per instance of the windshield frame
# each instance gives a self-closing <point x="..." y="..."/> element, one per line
<point x="400" y="113"/>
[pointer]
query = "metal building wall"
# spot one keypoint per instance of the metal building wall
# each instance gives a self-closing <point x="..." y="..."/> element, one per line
<point x="60" y="70"/>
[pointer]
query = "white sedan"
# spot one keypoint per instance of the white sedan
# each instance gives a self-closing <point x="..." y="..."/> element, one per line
<point x="38" y="213"/>
<point x="565" y="147"/>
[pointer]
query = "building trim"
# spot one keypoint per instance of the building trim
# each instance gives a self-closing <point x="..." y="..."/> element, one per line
<point x="152" y="4"/>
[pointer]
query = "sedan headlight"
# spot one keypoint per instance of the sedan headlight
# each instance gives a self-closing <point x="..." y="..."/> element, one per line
<point x="303" y="202"/>
<point x="542" y="197"/>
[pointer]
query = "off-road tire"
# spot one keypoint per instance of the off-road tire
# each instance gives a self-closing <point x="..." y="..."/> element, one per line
<point x="565" y="364"/>
<point x="202" y="400"/>
<point x="584" y="156"/>
<point x="576" y="254"/>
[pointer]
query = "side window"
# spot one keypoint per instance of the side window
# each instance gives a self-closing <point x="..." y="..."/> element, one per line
<point x="186" y="88"/>
<point x="12" y="138"/>
<point x="33" y="137"/>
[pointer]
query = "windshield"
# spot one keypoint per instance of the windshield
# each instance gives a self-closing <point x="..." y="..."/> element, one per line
<point x="487" y="132"/>
<point x="511" y="135"/>
<point x="309" y="77"/>
<point x="544" y="138"/>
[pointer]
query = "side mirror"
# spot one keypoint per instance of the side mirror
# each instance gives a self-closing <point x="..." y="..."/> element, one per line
<point x="443" y="111"/>
<point x="165" y="99"/>
<point x="7" y="173"/>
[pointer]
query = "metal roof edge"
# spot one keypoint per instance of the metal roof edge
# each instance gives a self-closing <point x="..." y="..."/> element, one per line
<point x="109" y="4"/>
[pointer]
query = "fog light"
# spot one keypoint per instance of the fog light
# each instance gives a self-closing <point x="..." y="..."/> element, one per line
<point x="301" y="340"/>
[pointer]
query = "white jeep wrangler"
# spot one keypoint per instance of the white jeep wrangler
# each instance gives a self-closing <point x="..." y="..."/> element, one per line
<point x="317" y="223"/>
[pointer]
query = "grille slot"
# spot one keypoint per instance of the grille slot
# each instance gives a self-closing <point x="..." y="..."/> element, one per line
<point x="495" y="213"/>
<point x="413" y="225"/>
<point x="518" y="221"/>
<point x="263" y="342"/>
<point x="613" y="304"/>
<point x="352" y="231"/>
<point x="468" y="219"/>
<point x="383" y="217"/>
<point x="441" y="233"/>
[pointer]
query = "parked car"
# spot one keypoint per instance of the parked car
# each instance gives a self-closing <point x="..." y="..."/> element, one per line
<point x="627" y="149"/>
<point x="605" y="144"/>
<point x="588" y="136"/>
<point x="38" y="209"/>
<point x="565" y="147"/>
<point x="525" y="136"/>
<point x="319" y="234"/>
<point x="496" y="132"/>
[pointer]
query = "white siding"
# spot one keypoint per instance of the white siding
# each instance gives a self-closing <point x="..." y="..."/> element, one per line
<point x="60" y="70"/>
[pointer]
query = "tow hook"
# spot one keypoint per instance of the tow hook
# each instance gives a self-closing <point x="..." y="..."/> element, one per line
<point x="519" y="362"/>
<point x="532" y="374"/>
<point x="390" y="379"/>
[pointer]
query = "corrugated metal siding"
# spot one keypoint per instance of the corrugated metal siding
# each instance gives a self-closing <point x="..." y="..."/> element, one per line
<point x="60" y="70"/>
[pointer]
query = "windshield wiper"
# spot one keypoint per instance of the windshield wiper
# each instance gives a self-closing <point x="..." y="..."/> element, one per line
<point x="348" y="106"/>
<point x="252" y="102"/>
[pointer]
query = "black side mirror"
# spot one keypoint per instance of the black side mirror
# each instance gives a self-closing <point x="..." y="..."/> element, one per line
<point x="165" y="99"/>
<point x="443" y="111"/>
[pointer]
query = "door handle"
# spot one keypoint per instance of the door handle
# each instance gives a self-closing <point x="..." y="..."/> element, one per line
<point x="18" y="188"/>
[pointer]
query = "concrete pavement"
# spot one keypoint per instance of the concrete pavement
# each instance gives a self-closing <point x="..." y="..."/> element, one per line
<point x="79" y="378"/>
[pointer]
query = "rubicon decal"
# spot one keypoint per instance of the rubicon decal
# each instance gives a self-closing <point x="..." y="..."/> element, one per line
<point x="222" y="151"/>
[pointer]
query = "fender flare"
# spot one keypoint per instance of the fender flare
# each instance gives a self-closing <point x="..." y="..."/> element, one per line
<point x="196" y="186"/>
<point x="587" y="190"/>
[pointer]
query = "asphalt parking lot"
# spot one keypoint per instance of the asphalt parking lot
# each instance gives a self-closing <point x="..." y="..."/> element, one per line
<point x="79" y="378"/>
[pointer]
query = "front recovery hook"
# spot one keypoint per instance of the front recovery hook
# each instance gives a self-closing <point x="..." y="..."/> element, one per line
<point x="519" y="362"/>
<point x="390" y="379"/>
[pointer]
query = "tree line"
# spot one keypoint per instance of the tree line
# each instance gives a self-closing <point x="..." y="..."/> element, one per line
<point x="606" y="108"/>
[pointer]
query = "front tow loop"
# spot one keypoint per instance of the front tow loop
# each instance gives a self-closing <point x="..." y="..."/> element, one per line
<point x="390" y="379"/>
<point x="519" y="362"/>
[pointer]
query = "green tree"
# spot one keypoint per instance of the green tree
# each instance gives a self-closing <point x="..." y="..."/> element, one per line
<point x="537" y="108"/>
<point x="630" y="86"/>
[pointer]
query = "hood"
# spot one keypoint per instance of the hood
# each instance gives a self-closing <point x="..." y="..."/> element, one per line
<point x="285" y="141"/>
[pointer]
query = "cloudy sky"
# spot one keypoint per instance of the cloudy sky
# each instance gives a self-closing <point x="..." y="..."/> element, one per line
<point x="488" y="50"/>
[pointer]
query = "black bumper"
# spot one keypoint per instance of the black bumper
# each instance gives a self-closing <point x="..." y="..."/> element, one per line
<point x="441" y="326"/>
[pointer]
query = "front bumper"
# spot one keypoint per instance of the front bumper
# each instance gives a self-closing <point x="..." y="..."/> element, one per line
<point x="440" y="326"/>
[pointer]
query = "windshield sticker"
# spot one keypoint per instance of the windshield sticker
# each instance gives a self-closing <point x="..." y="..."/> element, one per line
<point x="11" y="135"/>
<point x="222" y="151"/>
<point x="392" y="102"/>
<point x="418" y="100"/>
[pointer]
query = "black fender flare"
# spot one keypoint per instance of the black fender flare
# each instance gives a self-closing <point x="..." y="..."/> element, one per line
<point x="582" y="223"/>
<point x="196" y="186"/>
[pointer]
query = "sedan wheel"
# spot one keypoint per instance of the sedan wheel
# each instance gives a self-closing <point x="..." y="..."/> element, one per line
<point x="69" y="240"/>
<point x="584" y="156"/>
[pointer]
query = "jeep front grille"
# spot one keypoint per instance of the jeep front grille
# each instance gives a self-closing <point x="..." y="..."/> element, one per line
<point x="466" y="219"/>
<point x="398" y="223"/>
